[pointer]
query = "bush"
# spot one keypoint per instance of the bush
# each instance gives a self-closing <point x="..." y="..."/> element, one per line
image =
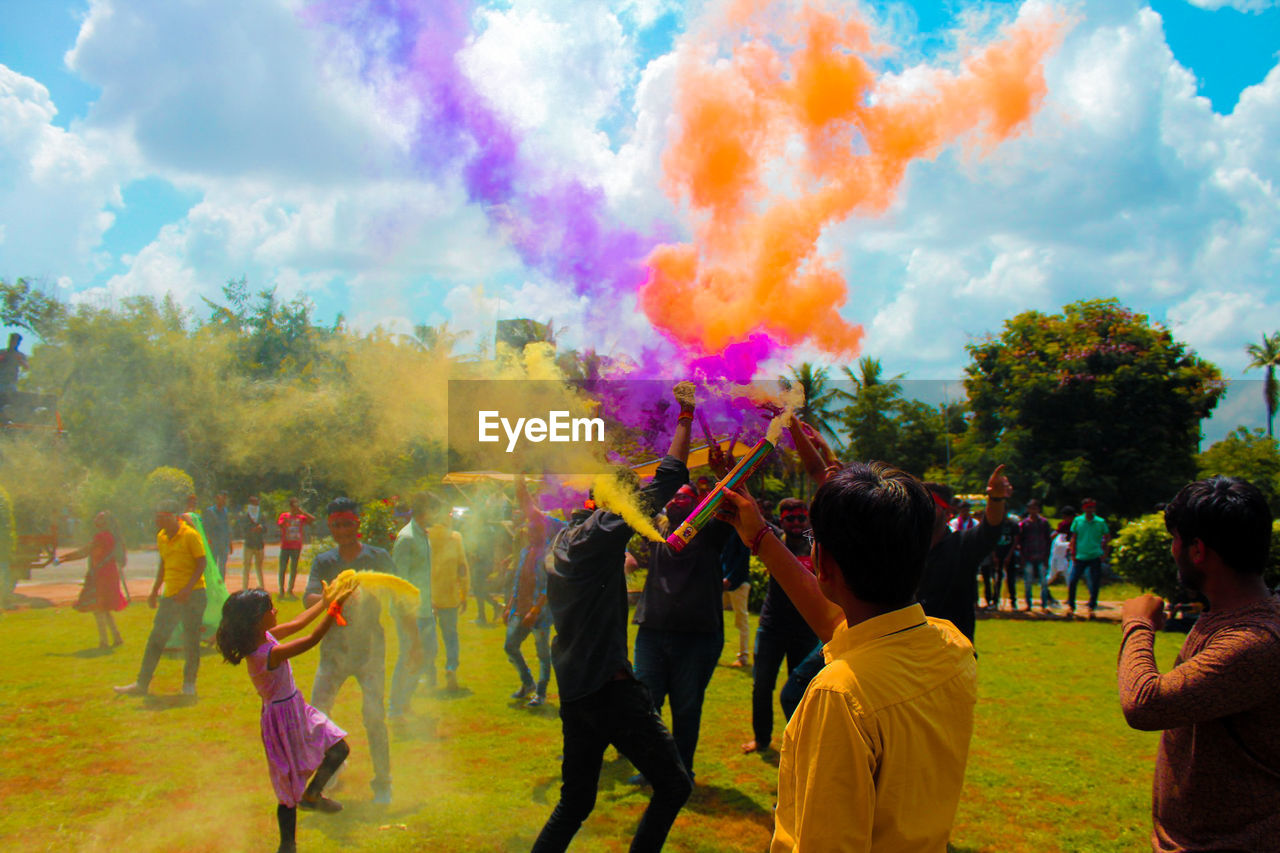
<point x="168" y="484"/>
<point x="1141" y="555"/>
<point x="378" y="524"/>
<point x="122" y="494"/>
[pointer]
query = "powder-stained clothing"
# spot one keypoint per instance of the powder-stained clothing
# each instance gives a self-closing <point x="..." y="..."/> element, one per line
<point x="949" y="589"/>
<point x="294" y="734"/>
<point x="449" y="570"/>
<point x="411" y="554"/>
<point x="529" y="580"/>
<point x="355" y="642"/>
<point x="356" y="650"/>
<point x="588" y="590"/>
<point x="217" y="528"/>
<point x="179" y="554"/>
<point x="874" y="757"/>
<point x="1217" y="777"/>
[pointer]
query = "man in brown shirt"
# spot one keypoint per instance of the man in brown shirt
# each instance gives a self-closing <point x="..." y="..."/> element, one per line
<point x="1217" y="779"/>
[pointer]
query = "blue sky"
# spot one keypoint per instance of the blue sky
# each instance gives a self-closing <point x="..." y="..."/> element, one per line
<point x="136" y="166"/>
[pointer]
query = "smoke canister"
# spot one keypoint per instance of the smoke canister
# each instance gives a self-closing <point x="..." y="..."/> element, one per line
<point x="710" y="505"/>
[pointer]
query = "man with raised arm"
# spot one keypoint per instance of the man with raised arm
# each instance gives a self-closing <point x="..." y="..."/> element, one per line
<point x="874" y="756"/>
<point x="1217" y="778"/>
<point x="949" y="588"/>
<point x="601" y="702"/>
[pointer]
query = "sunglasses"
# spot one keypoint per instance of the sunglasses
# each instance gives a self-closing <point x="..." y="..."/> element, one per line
<point x="800" y="515"/>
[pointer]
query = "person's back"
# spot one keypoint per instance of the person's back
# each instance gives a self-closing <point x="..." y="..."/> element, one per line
<point x="587" y="593"/>
<point x="447" y="566"/>
<point x="890" y="717"/>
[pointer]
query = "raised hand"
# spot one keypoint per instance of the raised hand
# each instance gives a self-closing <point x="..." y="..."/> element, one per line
<point x="686" y="395"/>
<point x="998" y="486"/>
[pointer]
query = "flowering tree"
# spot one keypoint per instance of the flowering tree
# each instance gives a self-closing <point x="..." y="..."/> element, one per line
<point x="1093" y="401"/>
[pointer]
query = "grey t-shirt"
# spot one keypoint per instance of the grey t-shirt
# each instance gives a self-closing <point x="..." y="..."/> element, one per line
<point x="351" y="644"/>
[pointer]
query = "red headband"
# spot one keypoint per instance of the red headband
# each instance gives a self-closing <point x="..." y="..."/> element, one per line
<point x="344" y="515"/>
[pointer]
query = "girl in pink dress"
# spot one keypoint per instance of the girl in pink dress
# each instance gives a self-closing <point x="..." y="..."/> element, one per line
<point x="299" y="740"/>
<point x="103" y="592"/>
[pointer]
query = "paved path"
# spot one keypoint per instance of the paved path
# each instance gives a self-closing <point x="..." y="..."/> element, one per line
<point x="60" y="584"/>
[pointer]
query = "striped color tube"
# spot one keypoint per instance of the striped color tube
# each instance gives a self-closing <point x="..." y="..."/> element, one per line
<point x="706" y="510"/>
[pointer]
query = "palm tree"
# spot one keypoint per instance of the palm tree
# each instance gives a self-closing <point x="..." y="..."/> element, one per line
<point x="871" y="413"/>
<point x="868" y="376"/>
<point x="816" y="411"/>
<point x="436" y="338"/>
<point x="1267" y="356"/>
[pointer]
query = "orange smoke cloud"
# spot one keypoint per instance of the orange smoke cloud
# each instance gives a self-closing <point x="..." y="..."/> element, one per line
<point x="795" y="130"/>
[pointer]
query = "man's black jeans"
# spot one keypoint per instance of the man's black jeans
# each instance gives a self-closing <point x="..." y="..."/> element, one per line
<point x="620" y="713"/>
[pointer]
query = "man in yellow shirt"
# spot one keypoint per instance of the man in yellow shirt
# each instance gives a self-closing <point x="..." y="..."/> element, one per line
<point x="449" y="574"/>
<point x="874" y="756"/>
<point x="181" y="570"/>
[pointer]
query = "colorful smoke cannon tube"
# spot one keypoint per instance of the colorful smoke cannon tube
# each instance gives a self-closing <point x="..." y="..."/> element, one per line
<point x="710" y="505"/>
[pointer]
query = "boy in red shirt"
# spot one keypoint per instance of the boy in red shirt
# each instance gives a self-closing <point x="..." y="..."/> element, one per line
<point x="292" y="526"/>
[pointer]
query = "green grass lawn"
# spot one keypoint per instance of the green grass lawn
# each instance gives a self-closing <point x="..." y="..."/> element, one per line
<point x="1053" y="765"/>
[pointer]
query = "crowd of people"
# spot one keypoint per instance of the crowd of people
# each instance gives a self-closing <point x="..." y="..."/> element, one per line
<point x="871" y="601"/>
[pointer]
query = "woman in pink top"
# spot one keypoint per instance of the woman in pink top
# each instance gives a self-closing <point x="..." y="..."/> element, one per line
<point x="299" y="740"/>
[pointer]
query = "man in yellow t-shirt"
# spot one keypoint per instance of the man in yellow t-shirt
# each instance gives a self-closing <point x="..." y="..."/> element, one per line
<point x="181" y="571"/>
<point x="449" y="575"/>
<point x="874" y="756"/>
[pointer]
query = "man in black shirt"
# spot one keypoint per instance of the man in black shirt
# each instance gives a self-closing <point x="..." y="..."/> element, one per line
<point x="782" y="632"/>
<point x="601" y="702"/>
<point x="949" y="588"/>
<point x="681" y="619"/>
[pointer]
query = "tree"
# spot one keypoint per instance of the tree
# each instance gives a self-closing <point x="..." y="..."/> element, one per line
<point x="439" y="338"/>
<point x="1093" y="401"/>
<point x="1267" y="356"/>
<point x="816" y="411"/>
<point x="869" y="417"/>
<point x="26" y="307"/>
<point x="276" y="337"/>
<point x="1248" y="454"/>
<point x="168" y="484"/>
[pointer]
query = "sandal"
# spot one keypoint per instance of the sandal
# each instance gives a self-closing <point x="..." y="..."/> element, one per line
<point x="320" y="804"/>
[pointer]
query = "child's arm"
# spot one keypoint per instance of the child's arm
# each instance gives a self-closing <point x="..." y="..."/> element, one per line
<point x="300" y="621"/>
<point x="281" y="653"/>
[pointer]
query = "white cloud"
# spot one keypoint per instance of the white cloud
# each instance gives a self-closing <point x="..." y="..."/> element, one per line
<point x="56" y="186"/>
<point x="1128" y="185"/>
<point x="357" y="250"/>
<point x="1241" y="5"/>
<point x="231" y="88"/>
